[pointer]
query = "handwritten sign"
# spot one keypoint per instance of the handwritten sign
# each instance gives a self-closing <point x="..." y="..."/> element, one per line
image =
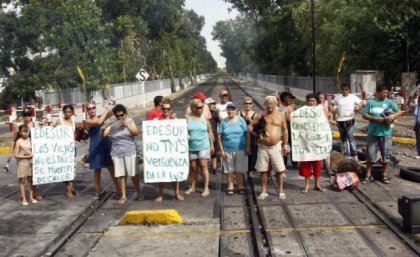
<point x="311" y="134"/>
<point x="165" y="150"/>
<point x="53" y="151"/>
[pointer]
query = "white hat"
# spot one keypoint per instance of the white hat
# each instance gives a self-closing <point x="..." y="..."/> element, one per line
<point x="210" y="100"/>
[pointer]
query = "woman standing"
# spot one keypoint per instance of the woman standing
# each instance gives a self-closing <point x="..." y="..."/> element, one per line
<point x="166" y="107"/>
<point x="99" y="149"/>
<point x="306" y="168"/>
<point x="200" y="145"/>
<point x="234" y="148"/>
<point x="68" y="120"/>
<point x="249" y="114"/>
<point x="123" y="134"/>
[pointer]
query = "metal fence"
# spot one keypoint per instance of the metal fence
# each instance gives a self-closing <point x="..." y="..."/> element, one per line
<point x="119" y="91"/>
<point x="299" y="84"/>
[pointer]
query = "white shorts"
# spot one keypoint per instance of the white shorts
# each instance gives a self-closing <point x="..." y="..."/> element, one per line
<point x="125" y="166"/>
<point x="235" y="161"/>
<point x="202" y="155"/>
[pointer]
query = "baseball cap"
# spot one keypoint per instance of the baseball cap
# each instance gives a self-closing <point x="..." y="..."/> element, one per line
<point x="209" y="100"/>
<point x="230" y="105"/>
<point x="199" y="95"/>
<point x="283" y="95"/>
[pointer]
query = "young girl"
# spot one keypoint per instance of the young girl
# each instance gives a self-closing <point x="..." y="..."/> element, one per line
<point x="23" y="155"/>
<point x="68" y="120"/>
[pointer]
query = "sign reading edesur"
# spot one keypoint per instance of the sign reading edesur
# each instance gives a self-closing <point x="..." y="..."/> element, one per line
<point x="311" y="134"/>
<point x="53" y="151"/>
<point x="165" y="150"/>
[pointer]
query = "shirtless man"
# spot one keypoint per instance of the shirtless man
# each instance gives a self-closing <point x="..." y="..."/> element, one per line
<point x="269" y="149"/>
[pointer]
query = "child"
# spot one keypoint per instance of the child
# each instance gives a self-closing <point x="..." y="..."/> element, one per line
<point x="68" y="120"/>
<point x="23" y="155"/>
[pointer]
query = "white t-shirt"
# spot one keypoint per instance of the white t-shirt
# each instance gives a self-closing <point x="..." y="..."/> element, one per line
<point x="222" y="110"/>
<point x="345" y="106"/>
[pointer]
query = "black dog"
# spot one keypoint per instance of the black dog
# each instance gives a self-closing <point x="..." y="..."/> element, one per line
<point x="260" y="128"/>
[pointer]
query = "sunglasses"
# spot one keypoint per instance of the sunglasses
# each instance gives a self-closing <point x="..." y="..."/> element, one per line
<point x="166" y="109"/>
<point x="91" y="108"/>
<point x="247" y="103"/>
<point x="119" y="115"/>
<point x="199" y="107"/>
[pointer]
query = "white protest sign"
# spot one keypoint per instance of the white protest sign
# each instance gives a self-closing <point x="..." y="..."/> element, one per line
<point x="311" y="134"/>
<point x="53" y="151"/>
<point x="142" y="75"/>
<point x="165" y="150"/>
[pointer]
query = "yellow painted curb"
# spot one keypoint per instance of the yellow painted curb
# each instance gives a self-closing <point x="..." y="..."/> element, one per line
<point x="151" y="216"/>
<point x="4" y="150"/>
<point x="400" y="140"/>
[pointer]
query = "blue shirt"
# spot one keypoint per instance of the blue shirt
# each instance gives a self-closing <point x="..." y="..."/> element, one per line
<point x="233" y="134"/>
<point x="198" y="138"/>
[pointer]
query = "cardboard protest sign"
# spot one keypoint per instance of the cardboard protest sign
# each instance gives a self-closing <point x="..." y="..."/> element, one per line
<point x="311" y="134"/>
<point x="165" y="150"/>
<point x="53" y="151"/>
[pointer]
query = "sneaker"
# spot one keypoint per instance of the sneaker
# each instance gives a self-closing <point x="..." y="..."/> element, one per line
<point x="418" y="157"/>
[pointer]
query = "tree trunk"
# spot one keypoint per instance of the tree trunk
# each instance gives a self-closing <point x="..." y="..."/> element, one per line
<point x="171" y="73"/>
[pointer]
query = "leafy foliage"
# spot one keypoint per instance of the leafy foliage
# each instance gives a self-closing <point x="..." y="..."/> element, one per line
<point x="42" y="42"/>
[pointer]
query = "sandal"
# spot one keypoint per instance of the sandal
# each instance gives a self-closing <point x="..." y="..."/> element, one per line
<point x="230" y="192"/>
<point x="262" y="196"/>
<point x="122" y="201"/>
<point x="241" y="191"/>
<point x="386" y="180"/>
<point x="367" y="180"/>
<point x="320" y="189"/>
<point x="305" y="190"/>
<point x="282" y="196"/>
<point x="69" y="194"/>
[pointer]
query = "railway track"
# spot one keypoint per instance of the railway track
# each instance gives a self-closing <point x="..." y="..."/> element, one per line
<point x="316" y="224"/>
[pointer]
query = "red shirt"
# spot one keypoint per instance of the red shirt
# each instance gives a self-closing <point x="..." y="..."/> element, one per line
<point x="154" y="113"/>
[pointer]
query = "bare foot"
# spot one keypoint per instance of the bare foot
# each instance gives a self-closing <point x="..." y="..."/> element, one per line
<point x="159" y="199"/>
<point x="190" y="191"/>
<point x="319" y="188"/>
<point x="179" y="197"/>
<point x="305" y="190"/>
<point x="205" y="193"/>
<point x="122" y="201"/>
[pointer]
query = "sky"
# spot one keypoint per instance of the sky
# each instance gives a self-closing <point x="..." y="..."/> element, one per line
<point x="213" y="11"/>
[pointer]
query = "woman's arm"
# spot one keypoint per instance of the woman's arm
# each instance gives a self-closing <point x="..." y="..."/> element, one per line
<point x="209" y="133"/>
<point x="131" y="127"/>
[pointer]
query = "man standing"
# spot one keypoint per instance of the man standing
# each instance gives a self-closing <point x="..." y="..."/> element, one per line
<point x="269" y="149"/>
<point x="381" y="113"/>
<point x="287" y="106"/>
<point x="221" y="107"/>
<point x="347" y="104"/>
<point x="156" y="112"/>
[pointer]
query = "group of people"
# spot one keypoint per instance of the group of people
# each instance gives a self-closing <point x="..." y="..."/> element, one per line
<point x="246" y="141"/>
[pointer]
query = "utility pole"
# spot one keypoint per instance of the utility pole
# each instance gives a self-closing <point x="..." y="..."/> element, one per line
<point x="313" y="47"/>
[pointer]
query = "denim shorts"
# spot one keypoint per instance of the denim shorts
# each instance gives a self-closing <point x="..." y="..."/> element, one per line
<point x="384" y="143"/>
